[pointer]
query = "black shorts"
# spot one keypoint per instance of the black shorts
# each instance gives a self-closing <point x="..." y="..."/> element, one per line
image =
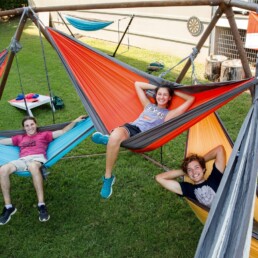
<point x="131" y="129"/>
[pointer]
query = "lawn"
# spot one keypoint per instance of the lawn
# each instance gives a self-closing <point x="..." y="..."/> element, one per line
<point x="140" y="219"/>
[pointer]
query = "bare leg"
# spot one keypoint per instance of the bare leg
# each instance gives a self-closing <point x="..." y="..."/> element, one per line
<point x="5" y="172"/>
<point x="34" y="168"/>
<point x="116" y="138"/>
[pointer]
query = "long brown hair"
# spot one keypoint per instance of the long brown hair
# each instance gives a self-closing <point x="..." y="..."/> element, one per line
<point x="170" y="92"/>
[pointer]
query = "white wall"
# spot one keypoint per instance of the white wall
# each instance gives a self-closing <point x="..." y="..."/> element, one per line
<point x="162" y="29"/>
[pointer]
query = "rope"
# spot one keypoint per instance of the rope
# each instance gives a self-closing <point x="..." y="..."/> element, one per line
<point x="45" y="66"/>
<point x="192" y="56"/>
<point x="15" y="47"/>
<point x="22" y="89"/>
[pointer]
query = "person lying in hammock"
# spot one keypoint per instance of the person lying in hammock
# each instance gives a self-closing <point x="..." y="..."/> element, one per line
<point x="152" y="115"/>
<point x="194" y="166"/>
<point x="33" y="146"/>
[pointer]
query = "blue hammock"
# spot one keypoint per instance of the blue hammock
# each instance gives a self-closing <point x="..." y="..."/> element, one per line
<point x="88" y="25"/>
<point x="56" y="149"/>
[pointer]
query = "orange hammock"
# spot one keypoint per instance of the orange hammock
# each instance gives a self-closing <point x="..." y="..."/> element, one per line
<point x="106" y="88"/>
<point x="3" y="61"/>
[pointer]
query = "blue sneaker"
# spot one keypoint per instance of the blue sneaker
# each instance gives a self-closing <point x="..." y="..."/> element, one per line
<point x="100" y="138"/>
<point x="106" y="190"/>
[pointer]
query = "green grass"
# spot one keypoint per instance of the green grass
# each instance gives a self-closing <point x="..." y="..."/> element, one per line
<point x="141" y="219"/>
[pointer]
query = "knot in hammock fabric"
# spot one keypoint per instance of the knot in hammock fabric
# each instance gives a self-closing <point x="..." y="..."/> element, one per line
<point x="15" y="46"/>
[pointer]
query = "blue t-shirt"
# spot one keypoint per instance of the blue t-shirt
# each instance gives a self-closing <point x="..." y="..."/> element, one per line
<point x="204" y="192"/>
<point x="151" y="116"/>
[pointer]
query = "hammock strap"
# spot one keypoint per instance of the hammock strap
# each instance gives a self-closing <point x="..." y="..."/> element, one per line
<point x="192" y="56"/>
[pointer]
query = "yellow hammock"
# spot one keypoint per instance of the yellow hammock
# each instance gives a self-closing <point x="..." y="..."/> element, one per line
<point x="202" y="137"/>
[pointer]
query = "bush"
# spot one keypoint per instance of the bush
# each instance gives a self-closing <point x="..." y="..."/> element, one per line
<point x="12" y="4"/>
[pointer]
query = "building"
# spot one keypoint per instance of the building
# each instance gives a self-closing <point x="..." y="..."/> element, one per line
<point x="170" y="30"/>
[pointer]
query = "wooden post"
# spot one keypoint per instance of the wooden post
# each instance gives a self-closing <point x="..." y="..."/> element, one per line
<point x="239" y="44"/>
<point x="16" y="37"/>
<point x="204" y="37"/>
<point x="120" y="41"/>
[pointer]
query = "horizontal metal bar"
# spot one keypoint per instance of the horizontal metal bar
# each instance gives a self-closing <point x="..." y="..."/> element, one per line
<point x="116" y="5"/>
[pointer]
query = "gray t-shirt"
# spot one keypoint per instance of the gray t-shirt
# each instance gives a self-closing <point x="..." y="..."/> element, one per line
<point x="151" y="116"/>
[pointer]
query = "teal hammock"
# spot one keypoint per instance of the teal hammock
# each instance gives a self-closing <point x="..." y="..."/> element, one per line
<point x="57" y="149"/>
<point x="87" y="25"/>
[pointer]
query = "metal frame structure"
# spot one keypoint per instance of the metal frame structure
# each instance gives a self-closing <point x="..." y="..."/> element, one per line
<point x="224" y="7"/>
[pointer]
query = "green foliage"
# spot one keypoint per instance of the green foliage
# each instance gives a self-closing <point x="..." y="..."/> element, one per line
<point x="141" y="219"/>
<point x="12" y="4"/>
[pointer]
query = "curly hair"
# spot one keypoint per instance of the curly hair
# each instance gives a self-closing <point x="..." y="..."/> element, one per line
<point x="193" y="157"/>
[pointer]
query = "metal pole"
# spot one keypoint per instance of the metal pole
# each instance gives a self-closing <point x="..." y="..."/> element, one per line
<point x="242" y="4"/>
<point x="164" y="3"/>
<point x="17" y="37"/>
<point x="65" y="24"/>
<point x="239" y="44"/>
<point x="114" y="54"/>
<point x="202" y="40"/>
